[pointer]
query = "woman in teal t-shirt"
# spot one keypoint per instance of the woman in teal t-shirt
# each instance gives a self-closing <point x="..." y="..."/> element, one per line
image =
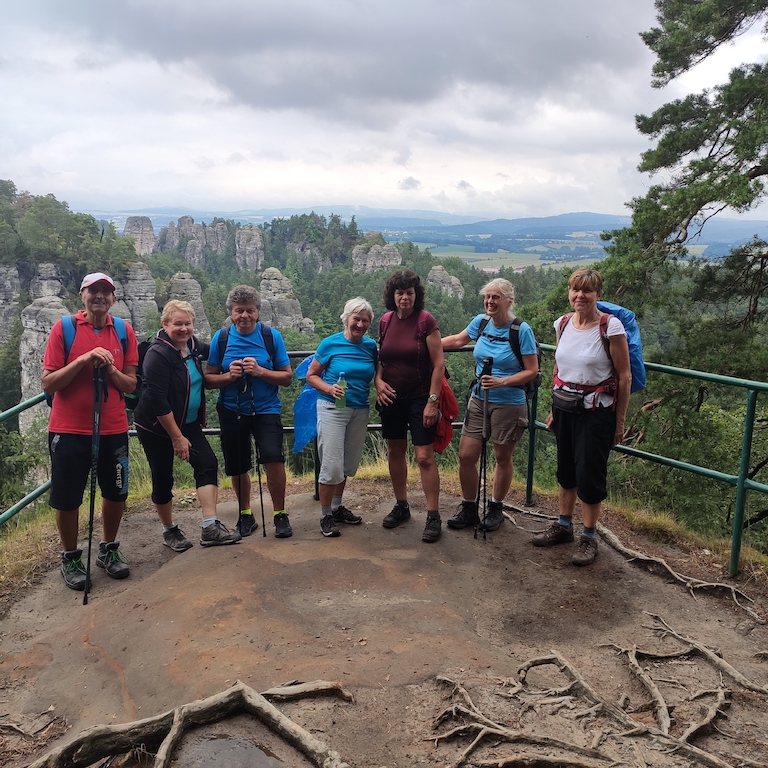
<point x="342" y="424"/>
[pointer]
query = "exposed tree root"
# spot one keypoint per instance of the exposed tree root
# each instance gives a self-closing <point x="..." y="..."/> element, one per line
<point x="713" y="657"/>
<point x="166" y="730"/>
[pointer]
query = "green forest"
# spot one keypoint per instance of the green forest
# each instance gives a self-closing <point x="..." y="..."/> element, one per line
<point x="709" y="154"/>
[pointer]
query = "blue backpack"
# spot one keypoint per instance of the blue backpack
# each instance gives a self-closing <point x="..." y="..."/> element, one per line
<point x="69" y="328"/>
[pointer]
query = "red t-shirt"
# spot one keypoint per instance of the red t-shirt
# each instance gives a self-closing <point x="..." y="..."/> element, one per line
<point x="72" y="411"/>
<point x="405" y="361"/>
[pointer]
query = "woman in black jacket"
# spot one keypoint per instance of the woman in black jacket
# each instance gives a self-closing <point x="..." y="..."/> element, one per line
<point x="169" y="419"/>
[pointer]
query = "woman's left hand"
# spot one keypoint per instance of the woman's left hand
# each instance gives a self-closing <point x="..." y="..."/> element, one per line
<point x="430" y="413"/>
<point x="491" y="382"/>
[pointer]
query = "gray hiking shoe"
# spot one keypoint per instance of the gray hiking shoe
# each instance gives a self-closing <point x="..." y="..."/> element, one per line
<point x="344" y="515"/>
<point x="73" y="570"/>
<point x="494" y="516"/>
<point x="396" y="516"/>
<point x="216" y="534"/>
<point x="112" y="561"/>
<point x="586" y="552"/>
<point x="555" y="534"/>
<point x="175" y="539"/>
<point x="465" y="517"/>
<point x="328" y="526"/>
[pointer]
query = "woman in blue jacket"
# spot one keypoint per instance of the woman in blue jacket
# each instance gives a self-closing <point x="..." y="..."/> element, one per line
<point x="169" y="418"/>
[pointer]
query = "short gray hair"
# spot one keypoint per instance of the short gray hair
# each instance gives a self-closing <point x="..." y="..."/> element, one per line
<point x="355" y="306"/>
<point x="243" y="294"/>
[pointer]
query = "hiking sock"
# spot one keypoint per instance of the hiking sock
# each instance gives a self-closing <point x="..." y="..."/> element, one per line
<point x="566" y="520"/>
<point x="588" y="532"/>
<point x="433" y="513"/>
<point x="167" y="528"/>
<point x="209" y="521"/>
<point x="246" y="512"/>
<point x="336" y="503"/>
<point x="325" y="511"/>
<point x="403" y="504"/>
<point x="279" y="512"/>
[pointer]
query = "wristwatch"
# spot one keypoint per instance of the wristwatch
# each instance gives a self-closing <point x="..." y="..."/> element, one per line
<point x="433" y="398"/>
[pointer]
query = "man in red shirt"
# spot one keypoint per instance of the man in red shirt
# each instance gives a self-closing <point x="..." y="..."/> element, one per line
<point x="70" y="375"/>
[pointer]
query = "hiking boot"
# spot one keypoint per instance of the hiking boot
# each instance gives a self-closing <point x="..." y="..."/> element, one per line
<point x="586" y="552"/>
<point x="343" y="515"/>
<point x="246" y="525"/>
<point x="465" y="517"/>
<point x="111" y="560"/>
<point x="493" y="516"/>
<point x="175" y="539"/>
<point x="283" y="528"/>
<point x="432" y="530"/>
<point x="555" y="534"/>
<point x="328" y="526"/>
<point x="396" y="516"/>
<point x="73" y="570"/>
<point x="216" y="534"/>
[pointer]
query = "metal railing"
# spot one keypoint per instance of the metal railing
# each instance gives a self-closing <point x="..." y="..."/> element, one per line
<point x="740" y="481"/>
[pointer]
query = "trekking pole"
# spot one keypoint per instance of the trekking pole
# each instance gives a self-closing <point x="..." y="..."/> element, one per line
<point x="258" y="468"/>
<point x="99" y="382"/>
<point x="483" y="474"/>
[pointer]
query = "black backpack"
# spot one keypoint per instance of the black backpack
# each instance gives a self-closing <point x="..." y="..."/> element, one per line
<point x="530" y="387"/>
<point x="132" y="400"/>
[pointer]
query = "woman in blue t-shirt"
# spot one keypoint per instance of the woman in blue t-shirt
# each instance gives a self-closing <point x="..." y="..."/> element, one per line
<point x="342" y="372"/>
<point x="506" y="408"/>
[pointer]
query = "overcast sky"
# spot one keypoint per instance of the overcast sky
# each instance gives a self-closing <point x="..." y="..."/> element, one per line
<point x="494" y="108"/>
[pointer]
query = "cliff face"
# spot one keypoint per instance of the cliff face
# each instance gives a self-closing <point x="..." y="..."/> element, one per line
<point x="141" y="230"/>
<point x="249" y="248"/>
<point x="184" y="287"/>
<point x="10" y="290"/>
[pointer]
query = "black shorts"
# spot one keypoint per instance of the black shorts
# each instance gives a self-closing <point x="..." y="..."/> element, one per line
<point x="160" y="456"/>
<point x="584" y="439"/>
<point x="236" y="432"/>
<point x="404" y="414"/>
<point x="71" y="464"/>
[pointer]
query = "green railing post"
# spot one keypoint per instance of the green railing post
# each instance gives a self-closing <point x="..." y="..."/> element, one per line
<point x="741" y="490"/>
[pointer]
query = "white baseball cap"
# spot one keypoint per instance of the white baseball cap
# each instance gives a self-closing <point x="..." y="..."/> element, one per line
<point x="97" y="277"/>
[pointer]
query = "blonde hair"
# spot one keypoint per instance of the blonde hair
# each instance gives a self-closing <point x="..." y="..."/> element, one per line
<point x="505" y="288"/>
<point x="176" y="305"/>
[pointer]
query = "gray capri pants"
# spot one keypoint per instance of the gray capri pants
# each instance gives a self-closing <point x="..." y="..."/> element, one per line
<point x="340" y="441"/>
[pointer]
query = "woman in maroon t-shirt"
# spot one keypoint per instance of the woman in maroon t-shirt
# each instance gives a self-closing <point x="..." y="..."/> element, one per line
<point x="409" y="375"/>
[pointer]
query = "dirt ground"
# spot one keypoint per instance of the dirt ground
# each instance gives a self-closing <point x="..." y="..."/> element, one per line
<point x="395" y="620"/>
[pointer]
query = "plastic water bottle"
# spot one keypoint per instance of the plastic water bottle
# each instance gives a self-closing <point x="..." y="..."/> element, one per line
<point x="341" y="402"/>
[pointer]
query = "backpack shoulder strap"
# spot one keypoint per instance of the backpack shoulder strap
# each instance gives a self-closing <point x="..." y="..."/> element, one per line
<point x="514" y="340"/>
<point x="122" y="334"/>
<point x="69" y="329"/>
<point x="604" y="320"/>
<point x="564" y="320"/>
<point x="223" y="341"/>
<point x="269" y="342"/>
<point x="386" y="318"/>
<point x="483" y="323"/>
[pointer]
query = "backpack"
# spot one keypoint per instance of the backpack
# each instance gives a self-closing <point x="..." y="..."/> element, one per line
<point x="266" y="333"/>
<point x="69" y="329"/>
<point x="627" y="319"/>
<point x="132" y="400"/>
<point x="532" y="386"/>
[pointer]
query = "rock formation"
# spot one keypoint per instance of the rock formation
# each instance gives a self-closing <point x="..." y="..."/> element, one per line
<point x="10" y="290"/>
<point x="279" y="306"/>
<point x="184" y="287"/>
<point x="309" y="257"/>
<point x="138" y="293"/>
<point x="445" y="282"/>
<point x="47" y="281"/>
<point x="141" y="230"/>
<point x="194" y="254"/>
<point x="369" y="259"/>
<point x="37" y="319"/>
<point x="249" y="248"/>
<point x="199" y="237"/>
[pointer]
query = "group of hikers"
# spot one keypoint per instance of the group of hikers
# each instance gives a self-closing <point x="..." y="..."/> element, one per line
<point x="88" y="373"/>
